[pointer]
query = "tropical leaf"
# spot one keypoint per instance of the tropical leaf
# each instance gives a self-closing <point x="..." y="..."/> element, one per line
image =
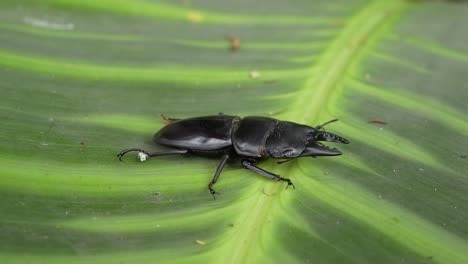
<point x="82" y="80"/>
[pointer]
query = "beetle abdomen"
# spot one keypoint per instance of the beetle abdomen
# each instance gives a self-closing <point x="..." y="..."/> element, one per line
<point x="207" y="133"/>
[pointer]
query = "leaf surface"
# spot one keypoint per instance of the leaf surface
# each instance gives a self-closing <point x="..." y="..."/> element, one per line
<point x="82" y="80"/>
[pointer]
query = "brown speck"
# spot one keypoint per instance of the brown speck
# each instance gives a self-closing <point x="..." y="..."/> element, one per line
<point x="200" y="242"/>
<point x="235" y="41"/>
<point x="338" y="23"/>
<point x="362" y="40"/>
<point x="376" y="121"/>
<point x="254" y="74"/>
<point x="166" y="120"/>
<point x="261" y="150"/>
<point x="269" y="81"/>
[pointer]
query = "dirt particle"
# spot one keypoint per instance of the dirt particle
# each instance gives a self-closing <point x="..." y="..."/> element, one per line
<point x="195" y="17"/>
<point x="201" y="242"/>
<point x="254" y="75"/>
<point x="235" y="41"/>
<point x="166" y="120"/>
<point x="377" y="121"/>
<point x="266" y="193"/>
<point x="142" y="156"/>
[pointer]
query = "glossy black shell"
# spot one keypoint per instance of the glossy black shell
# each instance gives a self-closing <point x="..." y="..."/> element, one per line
<point x="209" y="133"/>
<point x="249" y="137"/>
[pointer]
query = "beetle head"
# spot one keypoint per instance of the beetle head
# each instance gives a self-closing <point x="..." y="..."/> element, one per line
<point x="315" y="148"/>
<point x="290" y="140"/>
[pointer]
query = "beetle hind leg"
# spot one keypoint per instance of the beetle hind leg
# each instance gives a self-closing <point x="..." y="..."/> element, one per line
<point x="250" y="166"/>
<point x="152" y="154"/>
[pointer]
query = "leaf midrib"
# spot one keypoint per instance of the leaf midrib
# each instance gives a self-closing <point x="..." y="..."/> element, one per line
<point x="340" y="57"/>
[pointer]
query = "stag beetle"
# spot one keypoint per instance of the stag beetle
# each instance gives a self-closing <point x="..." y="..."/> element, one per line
<point x="250" y="138"/>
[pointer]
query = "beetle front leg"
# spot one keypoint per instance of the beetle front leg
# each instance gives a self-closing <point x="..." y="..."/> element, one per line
<point x="217" y="173"/>
<point x="250" y="166"/>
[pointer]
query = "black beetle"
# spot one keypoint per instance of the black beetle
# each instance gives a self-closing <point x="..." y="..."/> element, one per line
<point x="250" y="139"/>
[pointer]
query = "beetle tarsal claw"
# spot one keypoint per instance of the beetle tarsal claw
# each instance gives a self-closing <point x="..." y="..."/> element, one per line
<point x="213" y="192"/>
<point x="289" y="184"/>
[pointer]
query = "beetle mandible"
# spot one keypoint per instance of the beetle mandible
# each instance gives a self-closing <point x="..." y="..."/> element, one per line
<point x="249" y="139"/>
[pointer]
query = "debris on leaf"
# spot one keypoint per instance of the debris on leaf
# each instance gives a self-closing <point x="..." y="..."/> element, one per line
<point x="254" y="74"/>
<point x="266" y="193"/>
<point x="156" y="196"/>
<point x="166" y="120"/>
<point x="201" y="242"/>
<point x="377" y="121"/>
<point x="269" y="81"/>
<point x="235" y="41"/>
<point x="195" y="17"/>
<point x="142" y="156"/>
<point x="82" y="146"/>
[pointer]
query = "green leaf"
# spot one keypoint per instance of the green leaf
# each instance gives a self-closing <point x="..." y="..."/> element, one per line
<point x="82" y="80"/>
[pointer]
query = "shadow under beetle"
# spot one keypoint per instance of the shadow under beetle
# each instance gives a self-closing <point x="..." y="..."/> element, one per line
<point x="250" y="139"/>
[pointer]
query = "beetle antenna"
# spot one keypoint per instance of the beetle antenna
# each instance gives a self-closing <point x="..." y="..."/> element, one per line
<point x="326" y="123"/>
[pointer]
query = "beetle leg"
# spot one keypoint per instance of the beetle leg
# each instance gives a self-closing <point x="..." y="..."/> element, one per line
<point x="217" y="173"/>
<point x="250" y="166"/>
<point x="153" y="154"/>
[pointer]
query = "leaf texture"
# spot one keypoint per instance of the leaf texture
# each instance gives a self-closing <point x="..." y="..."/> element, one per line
<point x="82" y="80"/>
